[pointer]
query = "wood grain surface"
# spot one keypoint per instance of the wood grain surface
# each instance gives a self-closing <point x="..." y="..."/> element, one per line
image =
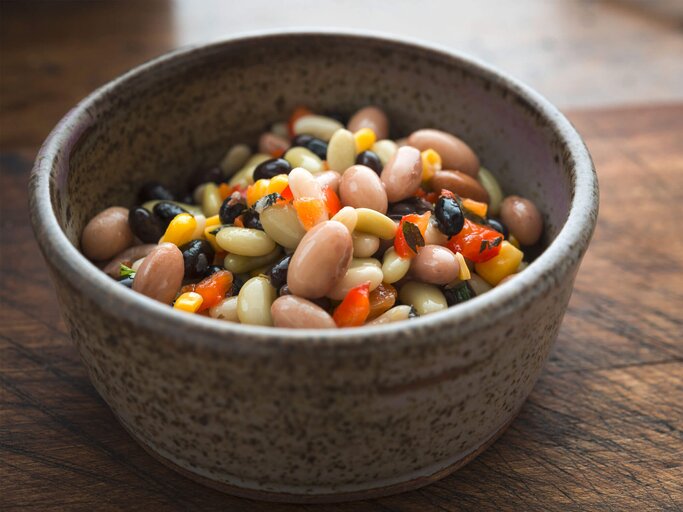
<point x="602" y="430"/>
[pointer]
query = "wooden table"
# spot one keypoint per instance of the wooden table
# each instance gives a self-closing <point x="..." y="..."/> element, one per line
<point x="602" y="430"/>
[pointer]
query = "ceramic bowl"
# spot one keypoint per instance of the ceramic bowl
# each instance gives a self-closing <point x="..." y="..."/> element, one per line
<point x="306" y="415"/>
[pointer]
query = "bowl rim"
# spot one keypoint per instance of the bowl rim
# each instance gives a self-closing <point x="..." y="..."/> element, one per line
<point x="551" y="265"/>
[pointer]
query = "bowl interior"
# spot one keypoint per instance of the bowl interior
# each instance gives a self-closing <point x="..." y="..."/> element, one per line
<point x="183" y="112"/>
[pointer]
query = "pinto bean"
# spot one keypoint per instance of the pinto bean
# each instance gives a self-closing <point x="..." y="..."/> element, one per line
<point x="522" y="219"/>
<point x="329" y="179"/>
<point x="360" y="187"/>
<point x="370" y="117"/>
<point x="402" y="174"/>
<point x="435" y="264"/>
<point x="107" y="234"/>
<point x="455" y="154"/>
<point x="460" y="183"/>
<point x="297" y="313"/>
<point x="271" y="144"/>
<point x="161" y="273"/>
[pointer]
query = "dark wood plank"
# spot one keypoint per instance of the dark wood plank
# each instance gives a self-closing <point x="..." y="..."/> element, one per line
<point x="602" y="430"/>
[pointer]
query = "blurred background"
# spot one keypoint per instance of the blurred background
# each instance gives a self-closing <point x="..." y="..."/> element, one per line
<point x="578" y="53"/>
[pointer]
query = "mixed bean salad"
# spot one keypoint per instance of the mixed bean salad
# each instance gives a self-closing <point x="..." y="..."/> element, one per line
<point x="326" y="225"/>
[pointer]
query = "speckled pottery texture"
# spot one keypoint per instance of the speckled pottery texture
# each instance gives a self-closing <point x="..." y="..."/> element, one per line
<point x="309" y="415"/>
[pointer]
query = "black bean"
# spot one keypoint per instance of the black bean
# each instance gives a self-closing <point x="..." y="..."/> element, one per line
<point x="314" y="144"/>
<point x="278" y="273"/>
<point x="231" y="208"/>
<point x="272" y="167"/>
<point x="212" y="269"/>
<point x="153" y="190"/>
<point x="407" y="206"/>
<point x="187" y="199"/>
<point x="204" y="175"/>
<point x="145" y="225"/>
<point x="337" y="116"/>
<point x="238" y="281"/>
<point x="449" y="216"/>
<point x="499" y="226"/>
<point x="197" y="256"/>
<point x="371" y="160"/>
<point x="126" y="281"/>
<point x="458" y="294"/>
<point x="251" y="219"/>
<point x="166" y="212"/>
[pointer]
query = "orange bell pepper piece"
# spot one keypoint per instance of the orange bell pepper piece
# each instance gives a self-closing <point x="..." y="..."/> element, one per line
<point x="355" y="308"/>
<point x="214" y="288"/>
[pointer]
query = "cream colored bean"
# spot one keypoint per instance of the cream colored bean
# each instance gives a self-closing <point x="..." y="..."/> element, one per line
<point x="225" y="310"/>
<point x="245" y="241"/>
<point x="385" y="150"/>
<point x="425" y="298"/>
<point x="360" y="187"/>
<point x="211" y="200"/>
<point x="254" y="301"/>
<point x="242" y="264"/>
<point x="297" y="313"/>
<point x="402" y="175"/>
<point x="329" y="179"/>
<point x="281" y="223"/>
<point x="370" y="117"/>
<point x="198" y="193"/>
<point x="245" y="175"/>
<point x="107" y="234"/>
<point x="490" y="184"/>
<point x="478" y="284"/>
<point x="235" y="158"/>
<point x="272" y="144"/>
<point x="462" y="184"/>
<point x="280" y="129"/>
<point x="522" y="219"/>
<point x="161" y="273"/>
<point x="199" y="229"/>
<point x="394" y="267"/>
<point x="435" y="264"/>
<point x="341" y="151"/>
<point x="348" y="217"/>
<point x="364" y="262"/>
<point x="375" y="223"/>
<point x="364" y="245"/>
<point x="320" y="260"/>
<point x="356" y="275"/>
<point x="318" y="126"/>
<point x="455" y="154"/>
<point x="394" y="314"/>
<point x="433" y="235"/>
<point x="127" y="257"/>
<point x="301" y="157"/>
<point x="190" y="208"/>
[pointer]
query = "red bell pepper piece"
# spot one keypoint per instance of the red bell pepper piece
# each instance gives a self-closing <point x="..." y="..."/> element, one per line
<point x="355" y="308"/>
<point x="476" y="242"/>
<point x="298" y="113"/>
<point x="214" y="288"/>
<point x="401" y="245"/>
<point x="332" y="202"/>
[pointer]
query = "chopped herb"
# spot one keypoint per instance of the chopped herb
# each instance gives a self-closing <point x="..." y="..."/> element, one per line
<point x="413" y="237"/>
<point x="413" y="312"/>
<point x="483" y="246"/>
<point x="125" y="271"/>
<point x="458" y="294"/>
<point x="496" y="242"/>
<point x="267" y="201"/>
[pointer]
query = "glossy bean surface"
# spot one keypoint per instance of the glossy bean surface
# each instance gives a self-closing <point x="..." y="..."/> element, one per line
<point x="360" y="187"/>
<point x="402" y="175"/>
<point x="245" y="241"/>
<point x="425" y="298"/>
<point x="455" y="153"/>
<point x="341" y="152"/>
<point x="225" y="310"/>
<point x="522" y="218"/>
<point x="318" y="126"/>
<point x="254" y="301"/>
<point x="161" y="273"/>
<point x="364" y="245"/>
<point x="281" y="223"/>
<point x="435" y="264"/>
<point x="460" y="183"/>
<point x="297" y="313"/>
<point x="107" y="234"/>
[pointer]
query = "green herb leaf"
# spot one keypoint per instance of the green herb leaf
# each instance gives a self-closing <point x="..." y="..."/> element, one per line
<point x="413" y="236"/>
<point x="458" y="294"/>
<point x="125" y="271"/>
<point x="267" y="201"/>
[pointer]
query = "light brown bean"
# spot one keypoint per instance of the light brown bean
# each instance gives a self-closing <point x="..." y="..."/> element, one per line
<point x="370" y="117"/>
<point x="460" y="183"/>
<point x="435" y="264"/>
<point x="127" y="257"/>
<point x="522" y="219"/>
<point x="329" y="179"/>
<point x="360" y="187"/>
<point x="107" y="234"/>
<point x="455" y="154"/>
<point x="402" y="174"/>
<point x="271" y="144"/>
<point x="297" y="313"/>
<point x="320" y="260"/>
<point x="161" y="273"/>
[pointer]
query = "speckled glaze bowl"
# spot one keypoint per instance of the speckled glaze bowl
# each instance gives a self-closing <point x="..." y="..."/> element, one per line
<point x="309" y="416"/>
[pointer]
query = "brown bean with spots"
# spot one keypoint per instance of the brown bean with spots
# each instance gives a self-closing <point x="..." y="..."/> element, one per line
<point x="455" y="154"/>
<point x="161" y="273"/>
<point x="403" y="174"/>
<point x="522" y="219"/>
<point x="360" y="187"/>
<point x="107" y="234"/>
<point x="297" y="313"/>
<point x="271" y="144"/>
<point x="435" y="264"/>
<point x="460" y="183"/>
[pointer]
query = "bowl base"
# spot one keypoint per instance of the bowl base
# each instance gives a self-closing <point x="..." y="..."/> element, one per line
<point x="369" y="493"/>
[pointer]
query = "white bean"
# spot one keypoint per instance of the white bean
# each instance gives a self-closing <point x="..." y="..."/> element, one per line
<point x="211" y="200"/>
<point x="392" y="315"/>
<point x="364" y="245"/>
<point x="225" y="310"/>
<point x="245" y="241"/>
<point x="243" y="264"/>
<point x="356" y="275"/>
<point x="235" y="158"/>
<point x="348" y="217"/>
<point x="425" y="298"/>
<point x="319" y="126"/>
<point x="385" y="150"/>
<point x="490" y="184"/>
<point x="302" y="157"/>
<point x="341" y="151"/>
<point x="281" y="223"/>
<point x="394" y="267"/>
<point x="254" y="301"/>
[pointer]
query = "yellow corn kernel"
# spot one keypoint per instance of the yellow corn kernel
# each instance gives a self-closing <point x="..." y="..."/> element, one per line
<point x="500" y="266"/>
<point x="277" y="184"/>
<point x="475" y="207"/>
<point x="257" y="191"/>
<point x="189" y="301"/>
<point x="431" y="162"/>
<point x="180" y="230"/>
<point x="513" y="241"/>
<point x="211" y="237"/>
<point x="365" y="138"/>
<point x="212" y="221"/>
<point x="464" y="272"/>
